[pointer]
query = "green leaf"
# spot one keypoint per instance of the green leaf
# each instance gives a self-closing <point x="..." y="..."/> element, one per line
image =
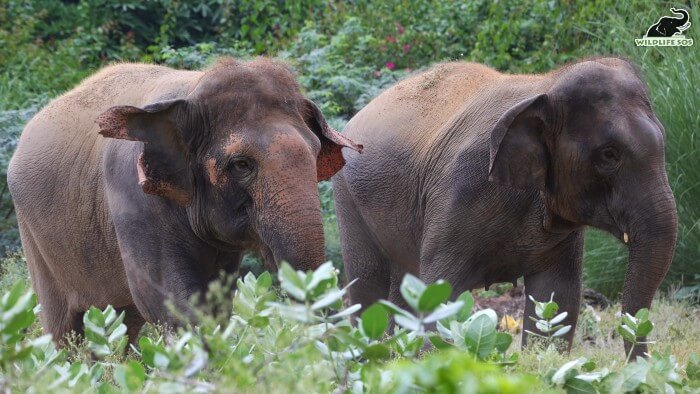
<point x="503" y="341"/>
<point x="130" y="376"/>
<point x="561" y="331"/>
<point x="644" y="328"/>
<point x="434" y="295"/>
<point x="550" y="309"/>
<point x="328" y="299"/>
<point x="321" y="276"/>
<point x="692" y="370"/>
<point x="629" y="321"/>
<point x="444" y="312"/>
<point x="264" y="281"/>
<point x="633" y="375"/>
<point x="439" y="343"/>
<point x="378" y="351"/>
<point x="291" y="282"/>
<point x="466" y="310"/>
<point x="480" y="335"/>
<point x="642" y="315"/>
<point x="412" y="289"/>
<point x="393" y="308"/>
<point x="259" y="321"/>
<point x="626" y="333"/>
<point x="408" y="322"/>
<point x="578" y="386"/>
<point x="374" y="321"/>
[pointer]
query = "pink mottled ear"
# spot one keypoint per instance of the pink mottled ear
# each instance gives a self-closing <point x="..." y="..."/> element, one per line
<point x="330" y="159"/>
<point x="162" y="167"/>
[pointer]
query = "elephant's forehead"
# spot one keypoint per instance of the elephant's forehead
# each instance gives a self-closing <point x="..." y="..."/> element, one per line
<point x="265" y="139"/>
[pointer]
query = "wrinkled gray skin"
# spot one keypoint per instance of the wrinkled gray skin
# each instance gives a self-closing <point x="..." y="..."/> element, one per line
<point x="479" y="177"/>
<point x="143" y="182"/>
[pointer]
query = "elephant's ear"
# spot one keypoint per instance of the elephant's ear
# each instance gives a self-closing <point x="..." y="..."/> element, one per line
<point x="330" y="159"/>
<point x="163" y="168"/>
<point x="518" y="149"/>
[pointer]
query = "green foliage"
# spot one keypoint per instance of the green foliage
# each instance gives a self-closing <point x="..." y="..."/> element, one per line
<point x="260" y="345"/>
<point x="547" y="320"/>
<point x="104" y="331"/>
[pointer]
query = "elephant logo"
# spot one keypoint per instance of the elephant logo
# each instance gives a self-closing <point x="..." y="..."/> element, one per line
<point x="669" y="26"/>
<point x="668" y="31"/>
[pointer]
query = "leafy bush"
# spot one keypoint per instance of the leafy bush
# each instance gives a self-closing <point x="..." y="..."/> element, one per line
<point x="303" y="339"/>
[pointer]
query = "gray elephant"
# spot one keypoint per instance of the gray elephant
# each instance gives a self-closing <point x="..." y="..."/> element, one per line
<point x="668" y="26"/>
<point x="478" y="177"/>
<point x="191" y="169"/>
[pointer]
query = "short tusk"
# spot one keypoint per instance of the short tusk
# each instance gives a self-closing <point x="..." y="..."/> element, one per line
<point x="626" y="238"/>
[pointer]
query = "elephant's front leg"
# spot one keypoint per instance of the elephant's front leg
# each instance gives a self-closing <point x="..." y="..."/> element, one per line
<point x="173" y="282"/>
<point x="563" y="278"/>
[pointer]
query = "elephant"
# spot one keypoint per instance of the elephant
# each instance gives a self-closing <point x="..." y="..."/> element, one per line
<point x="478" y="177"/>
<point x="667" y="26"/>
<point x="141" y="184"/>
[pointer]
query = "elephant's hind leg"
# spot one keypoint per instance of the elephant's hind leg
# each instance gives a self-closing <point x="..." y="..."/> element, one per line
<point x="56" y="316"/>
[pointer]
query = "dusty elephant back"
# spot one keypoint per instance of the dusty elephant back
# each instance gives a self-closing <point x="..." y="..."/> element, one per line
<point x="57" y="185"/>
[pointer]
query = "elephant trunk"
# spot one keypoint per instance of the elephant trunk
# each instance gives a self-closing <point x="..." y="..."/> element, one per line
<point x="291" y="227"/>
<point x="652" y="241"/>
<point x="683" y="12"/>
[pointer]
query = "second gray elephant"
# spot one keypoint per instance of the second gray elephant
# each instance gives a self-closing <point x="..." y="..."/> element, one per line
<point x="478" y="177"/>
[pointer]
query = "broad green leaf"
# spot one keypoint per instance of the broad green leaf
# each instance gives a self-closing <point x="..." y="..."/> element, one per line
<point x="408" y="322"/>
<point x="264" y="281"/>
<point x="642" y="315"/>
<point x="95" y="316"/>
<point x="578" y="386"/>
<point x="444" y="312"/>
<point x="412" y="289"/>
<point x="377" y="351"/>
<point x="693" y="367"/>
<point x="559" y="377"/>
<point x="291" y="282"/>
<point x="644" y="328"/>
<point x="467" y="307"/>
<point x="259" y="321"/>
<point x="328" y="299"/>
<point x="130" y="376"/>
<point x="550" y="309"/>
<point x="626" y="333"/>
<point x="629" y="321"/>
<point x="503" y="341"/>
<point x="439" y="343"/>
<point x="633" y="375"/>
<point x="558" y="318"/>
<point x="434" y="295"/>
<point x="562" y="331"/>
<point x="374" y="321"/>
<point x="393" y="308"/>
<point x="323" y="273"/>
<point x="117" y="334"/>
<point x="480" y="336"/>
<point x="346" y="312"/>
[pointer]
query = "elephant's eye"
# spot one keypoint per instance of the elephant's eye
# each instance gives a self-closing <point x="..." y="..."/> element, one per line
<point x="242" y="165"/>
<point x="609" y="156"/>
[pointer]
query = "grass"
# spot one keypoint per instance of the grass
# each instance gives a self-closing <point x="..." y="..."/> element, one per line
<point x="675" y="329"/>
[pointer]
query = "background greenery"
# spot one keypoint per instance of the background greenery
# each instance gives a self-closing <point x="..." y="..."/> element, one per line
<point x="345" y="53"/>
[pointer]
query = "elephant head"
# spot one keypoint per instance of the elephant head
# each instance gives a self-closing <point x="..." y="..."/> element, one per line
<point x="594" y="148"/>
<point x="242" y="152"/>
<point x="668" y="26"/>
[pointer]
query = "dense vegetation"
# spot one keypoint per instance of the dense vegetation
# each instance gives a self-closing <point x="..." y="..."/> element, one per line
<point x="345" y="53"/>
